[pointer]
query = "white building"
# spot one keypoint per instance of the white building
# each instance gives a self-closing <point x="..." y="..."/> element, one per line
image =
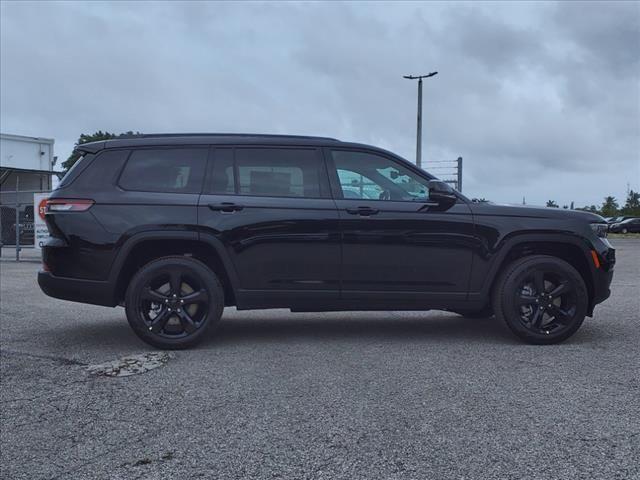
<point x="26" y="166"/>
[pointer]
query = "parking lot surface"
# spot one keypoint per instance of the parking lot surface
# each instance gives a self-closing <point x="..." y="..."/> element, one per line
<point x="389" y="395"/>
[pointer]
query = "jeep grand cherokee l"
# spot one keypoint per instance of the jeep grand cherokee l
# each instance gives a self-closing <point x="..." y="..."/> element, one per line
<point x="176" y="227"/>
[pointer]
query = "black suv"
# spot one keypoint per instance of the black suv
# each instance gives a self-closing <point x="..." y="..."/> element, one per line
<point x="175" y="227"/>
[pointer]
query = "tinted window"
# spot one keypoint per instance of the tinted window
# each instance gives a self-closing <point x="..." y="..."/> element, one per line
<point x="374" y="177"/>
<point x="103" y="170"/>
<point x="178" y="170"/>
<point x="222" y="176"/>
<point x="75" y="170"/>
<point x="279" y="172"/>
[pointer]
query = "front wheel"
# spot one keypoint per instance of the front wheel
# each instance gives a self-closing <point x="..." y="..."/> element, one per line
<point x="542" y="299"/>
<point x="172" y="302"/>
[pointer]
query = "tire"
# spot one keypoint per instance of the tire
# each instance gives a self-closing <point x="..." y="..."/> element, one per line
<point x="624" y="230"/>
<point x="542" y="299"/>
<point x="485" y="312"/>
<point x="173" y="302"/>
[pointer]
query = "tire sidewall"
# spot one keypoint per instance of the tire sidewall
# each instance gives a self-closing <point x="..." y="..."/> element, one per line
<point x="514" y="278"/>
<point x="207" y="278"/>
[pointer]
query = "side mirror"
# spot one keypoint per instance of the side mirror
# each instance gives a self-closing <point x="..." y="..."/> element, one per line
<point x="441" y="193"/>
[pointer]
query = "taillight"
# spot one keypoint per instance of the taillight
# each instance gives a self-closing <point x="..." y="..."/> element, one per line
<point x="68" y="205"/>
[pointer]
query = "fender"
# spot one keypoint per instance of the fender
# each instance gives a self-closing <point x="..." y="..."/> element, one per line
<point x="127" y="246"/>
<point x="215" y="243"/>
<point x="498" y="254"/>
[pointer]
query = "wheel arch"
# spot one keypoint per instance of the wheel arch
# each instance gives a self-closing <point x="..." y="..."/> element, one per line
<point x="144" y="247"/>
<point x="568" y="248"/>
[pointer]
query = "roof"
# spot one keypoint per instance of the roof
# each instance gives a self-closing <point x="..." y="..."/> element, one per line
<point x="23" y="138"/>
<point x="165" y="139"/>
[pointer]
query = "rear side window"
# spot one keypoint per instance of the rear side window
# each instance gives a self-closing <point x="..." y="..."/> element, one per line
<point x="177" y="170"/>
<point x="223" y="175"/>
<point x="279" y="172"/>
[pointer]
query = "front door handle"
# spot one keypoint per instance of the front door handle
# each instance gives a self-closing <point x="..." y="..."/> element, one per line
<point x="363" y="211"/>
<point x="225" y="207"/>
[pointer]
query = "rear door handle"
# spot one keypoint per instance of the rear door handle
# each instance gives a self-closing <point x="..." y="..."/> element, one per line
<point x="225" y="207"/>
<point x="363" y="211"/>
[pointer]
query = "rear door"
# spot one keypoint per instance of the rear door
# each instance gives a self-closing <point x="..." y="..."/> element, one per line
<point x="397" y="248"/>
<point x="272" y="210"/>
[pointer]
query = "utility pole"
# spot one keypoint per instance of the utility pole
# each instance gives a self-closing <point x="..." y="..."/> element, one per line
<point x="419" y="139"/>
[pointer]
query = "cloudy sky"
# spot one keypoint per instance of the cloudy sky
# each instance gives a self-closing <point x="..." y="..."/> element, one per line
<point x="541" y="100"/>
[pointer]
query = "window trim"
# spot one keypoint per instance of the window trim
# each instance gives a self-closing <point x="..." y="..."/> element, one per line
<point x="323" y="180"/>
<point x="162" y="147"/>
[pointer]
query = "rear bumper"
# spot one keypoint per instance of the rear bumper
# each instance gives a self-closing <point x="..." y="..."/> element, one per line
<point x="76" y="290"/>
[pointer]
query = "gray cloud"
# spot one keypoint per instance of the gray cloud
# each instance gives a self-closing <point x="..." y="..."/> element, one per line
<point x="542" y="100"/>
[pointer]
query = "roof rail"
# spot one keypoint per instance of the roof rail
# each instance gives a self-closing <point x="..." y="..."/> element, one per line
<point x="239" y="135"/>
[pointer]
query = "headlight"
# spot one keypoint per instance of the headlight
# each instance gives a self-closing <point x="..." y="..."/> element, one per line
<point x="600" y="229"/>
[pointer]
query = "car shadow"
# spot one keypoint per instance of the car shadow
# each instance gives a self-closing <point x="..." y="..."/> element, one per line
<point x="282" y="326"/>
<point x="273" y="327"/>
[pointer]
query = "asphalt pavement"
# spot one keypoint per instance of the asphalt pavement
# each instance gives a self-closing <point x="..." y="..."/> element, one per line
<point x="274" y="394"/>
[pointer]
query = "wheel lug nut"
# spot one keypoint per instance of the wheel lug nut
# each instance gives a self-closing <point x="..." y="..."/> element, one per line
<point x="178" y="310"/>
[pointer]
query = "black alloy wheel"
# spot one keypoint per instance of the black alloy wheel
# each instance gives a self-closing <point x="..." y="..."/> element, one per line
<point x="542" y="299"/>
<point x="171" y="302"/>
<point x="546" y="302"/>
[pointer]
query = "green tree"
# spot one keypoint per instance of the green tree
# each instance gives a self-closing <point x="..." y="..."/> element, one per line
<point x="86" y="138"/>
<point x="632" y="205"/>
<point x="609" y="207"/>
<point x="552" y="204"/>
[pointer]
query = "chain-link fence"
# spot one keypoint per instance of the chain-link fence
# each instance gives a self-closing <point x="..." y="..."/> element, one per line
<point x="17" y="220"/>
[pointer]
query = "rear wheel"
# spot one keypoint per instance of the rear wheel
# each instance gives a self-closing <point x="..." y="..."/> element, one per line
<point x="542" y="299"/>
<point x="173" y="302"/>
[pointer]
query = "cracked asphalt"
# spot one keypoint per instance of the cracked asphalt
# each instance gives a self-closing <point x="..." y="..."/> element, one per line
<point x="399" y="395"/>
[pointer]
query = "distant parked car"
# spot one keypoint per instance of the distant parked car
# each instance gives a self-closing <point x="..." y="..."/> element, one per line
<point x="630" y="225"/>
<point x="616" y="219"/>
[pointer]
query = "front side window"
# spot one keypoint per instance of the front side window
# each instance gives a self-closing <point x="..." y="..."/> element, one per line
<point x="374" y="177"/>
<point x="174" y="170"/>
<point x="278" y="172"/>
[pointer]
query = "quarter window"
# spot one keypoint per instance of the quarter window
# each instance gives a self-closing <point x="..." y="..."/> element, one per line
<point x="178" y="170"/>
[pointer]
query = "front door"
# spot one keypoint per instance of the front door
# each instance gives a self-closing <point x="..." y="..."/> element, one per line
<point x="397" y="247"/>
<point x="272" y="210"/>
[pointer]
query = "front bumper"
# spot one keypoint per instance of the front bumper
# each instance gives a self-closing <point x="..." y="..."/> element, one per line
<point x="603" y="275"/>
<point x="77" y="290"/>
